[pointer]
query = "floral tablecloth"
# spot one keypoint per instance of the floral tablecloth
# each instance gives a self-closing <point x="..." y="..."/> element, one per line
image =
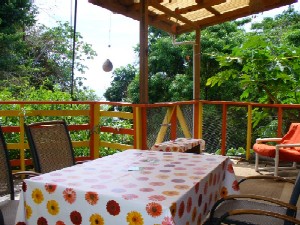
<point x="180" y="145"/>
<point x="134" y="187"/>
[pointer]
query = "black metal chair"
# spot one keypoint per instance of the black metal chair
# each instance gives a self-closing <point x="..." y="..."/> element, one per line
<point x="8" y="207"/>
<point x="50" y="145"/>
<point x="255" y="202"/>
<point x="260" y="213"/>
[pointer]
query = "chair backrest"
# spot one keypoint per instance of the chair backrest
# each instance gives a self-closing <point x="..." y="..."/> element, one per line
<point x="296" y="191"/>
<point x="6" y="180"/>
<point x="294" y="196"/>
<point x="293" y="135"/>
<point x="50" y="145"/>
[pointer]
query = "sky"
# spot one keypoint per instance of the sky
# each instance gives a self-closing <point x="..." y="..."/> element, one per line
<point x="101" y="28"/>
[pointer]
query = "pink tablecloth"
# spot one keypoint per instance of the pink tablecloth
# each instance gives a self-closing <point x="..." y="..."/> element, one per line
<point x="179" y="145"/>
<point x="134" y="187"/>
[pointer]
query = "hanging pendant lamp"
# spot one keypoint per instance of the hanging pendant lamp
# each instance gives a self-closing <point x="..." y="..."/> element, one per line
<point x="107" y="65"/>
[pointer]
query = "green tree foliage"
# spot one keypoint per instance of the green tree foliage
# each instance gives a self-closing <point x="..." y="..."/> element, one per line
<point x="122" y="77"/>
<point x="171" y="66"/>
<point x="37" y="54"/>
<point x="15" y="17"/>
<point x="266" y="68"/>
<point x="266" y="64"/>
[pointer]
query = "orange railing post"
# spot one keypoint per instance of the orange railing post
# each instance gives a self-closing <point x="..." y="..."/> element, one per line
<point x="249" y="132"/>
<point x="224" y="127"/>
<point x="279" y="118"/>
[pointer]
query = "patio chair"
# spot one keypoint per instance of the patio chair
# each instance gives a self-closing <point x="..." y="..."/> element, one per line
<point x="287" y="149"/>
<point x="8" y="204"/>
<point x="255" y="202"/>
<point x="50" y="145"/>
<point x="265" y="216"/>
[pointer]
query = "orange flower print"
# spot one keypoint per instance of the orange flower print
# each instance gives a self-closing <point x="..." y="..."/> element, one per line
<point x="215" y="179"/>
<point x="189" y="205"/>
<point x="175" y="149"/>
<point x="210" y="179"/>
<point x="223" y="192"/>
<point x="199" y="219"/>
<point x="162" y="176"/>
<point x="50" y="188"/>
<point x="134" y="218"/>
<point x="182" y="187"/>
<point x="205" y="208"/>
<point x="113" y="208"/>
<point x="60" y="223"/>
<point x="37" y="196"/>
<point x="235" y="186"/>
<point x="181" y="209"/>
<point x="210" y="198"/>
<point x="187" y="223"/>
<point x="170" y="193"/>
<point x="69" y="195"/>
<point x="194" y="214"/>
<point x="173" y="209"/>
<point x="154" y="209"/>
<point x="91" y="197"/>
<point x="205" y="188"/>
<point x="230" y="168"/>
<point x="197" y="187"/>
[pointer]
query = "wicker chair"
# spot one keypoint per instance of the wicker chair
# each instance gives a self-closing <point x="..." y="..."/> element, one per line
<point x="50" y="145"/>
<point x="255" y="202"/>
<point x="8" y="207"/>
<point x="260" y="213"/>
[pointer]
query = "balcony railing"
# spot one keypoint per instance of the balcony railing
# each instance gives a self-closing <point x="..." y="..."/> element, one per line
<point x="218" y="123"/>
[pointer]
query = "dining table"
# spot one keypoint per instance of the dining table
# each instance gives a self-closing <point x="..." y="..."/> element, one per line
<point x="189" y="145"/>
<point x="131" y="187"/>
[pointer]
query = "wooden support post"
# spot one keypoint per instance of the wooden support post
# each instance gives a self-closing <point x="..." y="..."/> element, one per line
<point x="249" y="132"/>
<point x="144" y="52"/>
<point x="196" y="88"/>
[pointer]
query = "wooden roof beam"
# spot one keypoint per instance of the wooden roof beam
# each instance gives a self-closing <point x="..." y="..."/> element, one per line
<point x="246" y="11"/>
<point x="172" y="13"/>
<point x="200" y="5"/>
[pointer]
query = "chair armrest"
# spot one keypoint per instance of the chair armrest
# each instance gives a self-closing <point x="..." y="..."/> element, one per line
<point x="262" y="198"/>
<point x="288" y="145"/>
<point x="262" y="140"/>
<point x="267" y="177"/>
<point x="26" y="173"/>
<point x="257" y="212"/>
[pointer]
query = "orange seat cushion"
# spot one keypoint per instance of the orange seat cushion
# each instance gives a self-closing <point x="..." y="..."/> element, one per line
<point x="285" y="154"/>
<point x="264" y="150"/>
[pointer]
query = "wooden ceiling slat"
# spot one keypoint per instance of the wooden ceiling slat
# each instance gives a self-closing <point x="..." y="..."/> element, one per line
<point x="172" y="14"/>
<point x="188" y="15"/>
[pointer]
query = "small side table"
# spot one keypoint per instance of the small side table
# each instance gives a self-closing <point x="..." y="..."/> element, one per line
<point x="188" y="145"/>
